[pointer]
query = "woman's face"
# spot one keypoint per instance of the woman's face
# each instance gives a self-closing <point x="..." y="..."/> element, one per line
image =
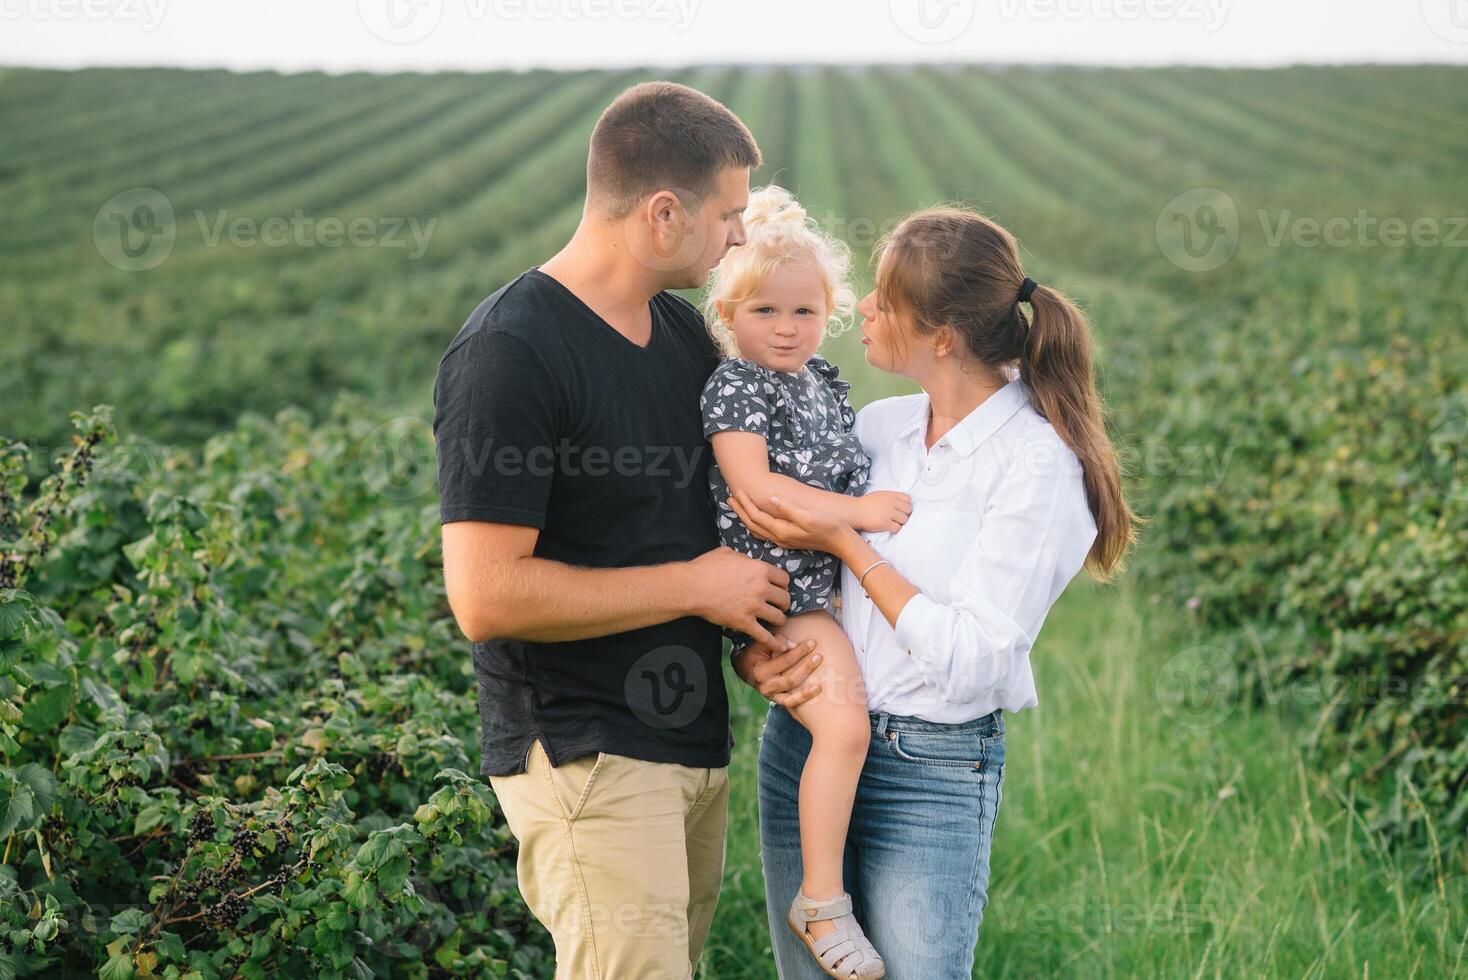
<point x="891" y="343"/>
<point x="875" y="330"/>
<point x="887" y="344"/>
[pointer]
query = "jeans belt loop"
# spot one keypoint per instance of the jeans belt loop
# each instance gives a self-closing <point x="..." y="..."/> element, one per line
<point x="882" y="717"/>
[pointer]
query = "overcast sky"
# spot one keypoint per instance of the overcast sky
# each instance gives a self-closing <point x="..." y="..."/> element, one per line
<point x="387" y="35"/>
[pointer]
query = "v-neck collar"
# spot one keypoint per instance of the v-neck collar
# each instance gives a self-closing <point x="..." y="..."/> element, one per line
<point x="651" y="313"/>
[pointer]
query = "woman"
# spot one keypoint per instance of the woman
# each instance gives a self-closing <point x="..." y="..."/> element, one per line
<point x="1015" y="487"/>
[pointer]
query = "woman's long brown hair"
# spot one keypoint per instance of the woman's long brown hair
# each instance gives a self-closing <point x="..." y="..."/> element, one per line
<point x="955" y="267"/>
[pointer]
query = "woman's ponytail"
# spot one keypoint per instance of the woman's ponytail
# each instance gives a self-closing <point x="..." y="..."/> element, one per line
<point x="1055" y="363"/>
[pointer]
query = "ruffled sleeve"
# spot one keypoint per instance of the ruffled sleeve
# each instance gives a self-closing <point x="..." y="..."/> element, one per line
<point x="839" y="386"/>
<point x="740" y="396"/>
<point x="849" y="465"/>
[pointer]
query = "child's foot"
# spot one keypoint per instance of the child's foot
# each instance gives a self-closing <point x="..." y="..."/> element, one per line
<point x="834" y="937"/>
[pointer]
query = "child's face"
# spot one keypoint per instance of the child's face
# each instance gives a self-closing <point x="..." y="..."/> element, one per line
<point x="782" y="324"/>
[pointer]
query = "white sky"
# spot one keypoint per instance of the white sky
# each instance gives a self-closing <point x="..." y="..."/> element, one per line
<point x="387" y="35"/>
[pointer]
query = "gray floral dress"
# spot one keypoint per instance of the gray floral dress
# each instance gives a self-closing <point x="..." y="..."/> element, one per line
<point x="806" y="419"/>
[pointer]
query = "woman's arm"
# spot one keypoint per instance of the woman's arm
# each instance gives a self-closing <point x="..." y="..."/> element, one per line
<point x="1033" y="539"/>
<point x="889" y="590"/>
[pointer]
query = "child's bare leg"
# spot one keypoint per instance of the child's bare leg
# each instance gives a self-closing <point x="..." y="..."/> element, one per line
<point x="840" y="733"/>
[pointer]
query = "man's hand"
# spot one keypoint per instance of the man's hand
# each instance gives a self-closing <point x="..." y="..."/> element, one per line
<point x="778" y="670"/>
<point x="737" y="591"/>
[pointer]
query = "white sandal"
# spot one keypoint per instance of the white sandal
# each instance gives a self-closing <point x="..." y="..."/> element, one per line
<point x="848" y="945"/>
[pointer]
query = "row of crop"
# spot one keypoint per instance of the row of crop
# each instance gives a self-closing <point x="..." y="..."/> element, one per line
<point x="92" y="117"/>
<point x="55" y="200"/>
<point x="203" y="318"/>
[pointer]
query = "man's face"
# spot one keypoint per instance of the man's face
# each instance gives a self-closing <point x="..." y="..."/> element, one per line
<point x="682" y="237"/>
<point x="720" y="222"/>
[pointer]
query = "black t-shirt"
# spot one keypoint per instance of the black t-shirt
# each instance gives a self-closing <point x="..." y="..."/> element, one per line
<point x="546" y="416"/>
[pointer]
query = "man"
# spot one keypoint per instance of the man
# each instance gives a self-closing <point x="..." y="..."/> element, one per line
<point x="580" y="554"/>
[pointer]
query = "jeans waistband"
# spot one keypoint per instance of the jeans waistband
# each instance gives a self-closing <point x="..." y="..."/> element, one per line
<point x="985" y="725"/>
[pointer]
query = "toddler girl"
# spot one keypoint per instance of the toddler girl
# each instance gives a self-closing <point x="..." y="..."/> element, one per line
<point x="781" y="425"/>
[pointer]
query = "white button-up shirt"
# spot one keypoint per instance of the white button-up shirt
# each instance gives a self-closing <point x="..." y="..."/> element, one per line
<point x="999" y="526"/>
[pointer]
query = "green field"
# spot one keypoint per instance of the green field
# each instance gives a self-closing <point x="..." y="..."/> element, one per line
<point x="1251" y="755"/>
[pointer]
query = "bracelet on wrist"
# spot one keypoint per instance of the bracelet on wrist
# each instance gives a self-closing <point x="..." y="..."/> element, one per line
<point x="861" y="579"/>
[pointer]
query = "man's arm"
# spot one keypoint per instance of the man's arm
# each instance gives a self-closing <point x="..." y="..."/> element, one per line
<point x="497" y="588"/>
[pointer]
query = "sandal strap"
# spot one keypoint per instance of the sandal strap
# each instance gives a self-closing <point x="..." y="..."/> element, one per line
<point x="833" y="947"/>
<point x="811" y="910"/>
<point x="858" y="940"/>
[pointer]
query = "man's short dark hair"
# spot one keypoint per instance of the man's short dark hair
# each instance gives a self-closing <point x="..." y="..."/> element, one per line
<point x="662" y="135"/>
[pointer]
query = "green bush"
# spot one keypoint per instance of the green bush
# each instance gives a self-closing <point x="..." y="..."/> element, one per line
<point x="234" y="721"/>
<point x="1328" y="542"/>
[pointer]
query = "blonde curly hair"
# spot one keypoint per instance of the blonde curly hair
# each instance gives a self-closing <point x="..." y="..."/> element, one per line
<point x="778" y="231"/>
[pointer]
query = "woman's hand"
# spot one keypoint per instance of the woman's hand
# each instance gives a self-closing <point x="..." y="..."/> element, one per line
<point x="779" y="672"/>
<point x="791" y="526"/>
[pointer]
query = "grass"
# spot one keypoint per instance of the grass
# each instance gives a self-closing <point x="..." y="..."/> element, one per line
<point x="1140" y="836"/>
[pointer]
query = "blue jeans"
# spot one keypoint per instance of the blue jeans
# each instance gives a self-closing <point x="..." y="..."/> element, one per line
<point x="917" y="855"/>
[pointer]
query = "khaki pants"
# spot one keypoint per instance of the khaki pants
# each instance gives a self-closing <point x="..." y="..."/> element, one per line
<point x="620" y="859"/>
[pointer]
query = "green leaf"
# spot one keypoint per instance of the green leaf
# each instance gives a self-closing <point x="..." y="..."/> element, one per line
<point x="119" y="967"/>
<point x="41" y="783"/>
<point x="128" y="921"/>
<point x="45" y="709"/>
<point x="13" y="620"/>
<point x="171" y="945"/>
<point x="19" y="810"/>
<point x="357" y="890"/>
